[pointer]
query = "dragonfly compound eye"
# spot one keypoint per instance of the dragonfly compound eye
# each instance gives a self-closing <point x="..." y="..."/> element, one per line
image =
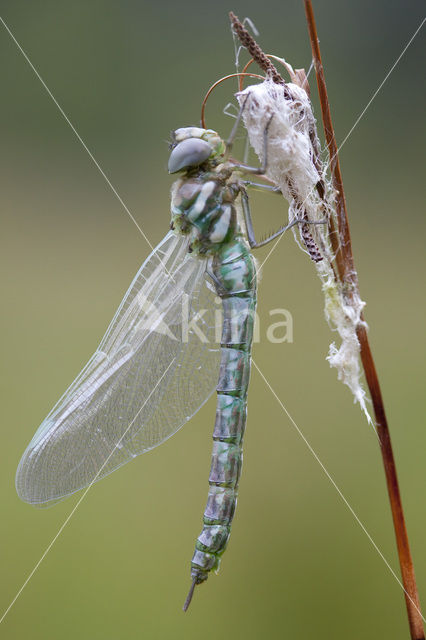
<point x="189" y="153"/>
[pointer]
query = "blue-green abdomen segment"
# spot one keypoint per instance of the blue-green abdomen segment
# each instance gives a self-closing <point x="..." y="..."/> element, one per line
<point x="235" y="281"/>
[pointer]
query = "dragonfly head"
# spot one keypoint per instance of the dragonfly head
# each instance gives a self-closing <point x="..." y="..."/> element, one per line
<point x="192" y="146"/>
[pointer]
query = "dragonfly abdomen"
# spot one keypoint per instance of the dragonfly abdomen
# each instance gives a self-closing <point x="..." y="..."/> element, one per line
<point x="235" y="281"/>
<point x="203" y="207"/>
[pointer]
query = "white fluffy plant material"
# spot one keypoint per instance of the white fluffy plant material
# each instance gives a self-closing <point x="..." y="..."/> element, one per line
<point x="288" y="142"/>
<point x="294" y="164"/>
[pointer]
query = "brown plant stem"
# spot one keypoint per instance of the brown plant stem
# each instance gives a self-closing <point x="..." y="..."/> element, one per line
<point x="265" y="63"/>
<point x="255" y="51"/>
<point x="345" y="266"/>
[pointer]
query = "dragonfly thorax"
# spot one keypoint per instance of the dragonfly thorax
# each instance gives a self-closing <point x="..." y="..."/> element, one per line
<point x="203" y="207"/>
<point x="202" y="199"/>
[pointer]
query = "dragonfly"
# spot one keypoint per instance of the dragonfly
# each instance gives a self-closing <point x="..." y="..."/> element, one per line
<point x="156" y="366"/>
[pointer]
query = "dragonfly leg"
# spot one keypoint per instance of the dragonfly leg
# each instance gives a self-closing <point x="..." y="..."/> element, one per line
<point x="230" y="142"/>
<point x="254" y="244"/>
<point x="218" y="285"/>
<point x="260" y="185"/>
<point x="262" y="169"/>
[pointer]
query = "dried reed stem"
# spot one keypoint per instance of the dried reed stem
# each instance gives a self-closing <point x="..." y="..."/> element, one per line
<point x="347" y="273"/>
<point x="256" y="52"/>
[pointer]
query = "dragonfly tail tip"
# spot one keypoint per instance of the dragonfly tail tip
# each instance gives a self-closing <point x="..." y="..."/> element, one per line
<point x="189" y="596"/>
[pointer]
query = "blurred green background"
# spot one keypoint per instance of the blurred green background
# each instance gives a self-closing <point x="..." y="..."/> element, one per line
<point x="298" y="565"/>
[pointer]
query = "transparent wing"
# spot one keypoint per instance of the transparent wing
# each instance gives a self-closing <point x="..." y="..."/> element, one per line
<point x="155" y="367"/>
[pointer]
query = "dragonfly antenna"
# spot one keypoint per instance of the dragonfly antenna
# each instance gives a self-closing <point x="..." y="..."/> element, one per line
<point x="189" y="596"/>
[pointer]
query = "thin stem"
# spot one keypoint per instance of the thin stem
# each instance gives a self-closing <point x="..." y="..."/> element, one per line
<point x="345" y="267"/>
<point x="256" y="52"/>
<point x="264" y="62"/>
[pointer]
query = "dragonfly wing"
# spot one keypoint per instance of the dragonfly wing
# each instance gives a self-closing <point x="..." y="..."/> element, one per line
<point x="155" y="367"/>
